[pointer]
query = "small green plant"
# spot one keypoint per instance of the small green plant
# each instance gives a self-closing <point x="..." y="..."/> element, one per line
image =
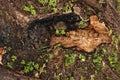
<point x="58" y="32"/>
<point x="43" y="48"/>
<point x="36" y="66"/>
<point x="1" y="14"/>
<point x="30" y="9"/>
<point x="72" y="78"/>
<point x="50" y="56"/>
<point x="110" y="32"/>
<point x="30" y="66"/>
<point x="9" y="48"/>
<point x="51" y="4"/>
<point x="98" y="61"/>
<point x="101" y="1"/>
<point x="13" y="58"/>
<point x="118" y="5"/>
<point x="82" y="58"/>
<point x="10" y="64"/>
<point x="69" y="59"/>
<point x="116" y="41"/>
<point x="68" y="6"/>
<point x="22" y="62"/>
<point x="104" y="50"/>
<point x="81" y="78"/>
<point x="92" y="77"/>
<point x="36" y="75"/>
<point x="42" y="70"/>
<point x="57" y="77"/>
<point x="113" y="60"/>
<point x="97" y="58"/>
<point x="83" y="24"/>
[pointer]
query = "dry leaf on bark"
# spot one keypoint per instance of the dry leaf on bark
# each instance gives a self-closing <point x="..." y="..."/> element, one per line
<point x="2" y="51"/>
<point x="85" y="39"/>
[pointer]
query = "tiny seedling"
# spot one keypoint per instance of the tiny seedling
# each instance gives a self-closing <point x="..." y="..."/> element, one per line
<point x="36" y="75"/>
<point x="13" y="58"/>
<point x="42" y="70"/>
<point x="29" y="67"/>
<point x="60" y="32"/>
<point x="72" y="78"/>
<point x="43" y="48"/>
<point x="9" y="48"/>
<point x="36" y="66"/>
<point x="50" y="4"/>
<point x="110" y="32"/>
<point x="30" y="9"/>
<point x="81" y="78"/>
<point x="82" y="58"/>
<point x="113" y="60"/>
<point x="63" y="32"/>
<point x="57" y="77"/>
<point x="50" y="56"/>
<point x="22" y="62"/>
<point x="104" y="50"/>
<point x="10" y="65"/>
<point x="69" y="59"/>
<point x="1" y="14"/>
<point x="98" y="61"/>
<point x="92" y="77"/>
<point x="83" y="24"/>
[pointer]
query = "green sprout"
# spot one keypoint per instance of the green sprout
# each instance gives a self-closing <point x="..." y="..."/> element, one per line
<point x="83" y="24"/>
<point x="10" y="65"/>
<point x="63" y="32"/>
<point x="60" y="32"/>
<point x="1" y="14"/>
<point x="29" y="67"/>
<point x="13" y="58"/>
<point x="72" y="78"/>
<point x="69" y="59"/>
<point x="22" y="62"/>
<point x="113" y="60"/>
<point x="9" y="48"/>
<point x="42" y="70"/>
<point x="82" y="58"/>
<point x="30" y="9"/>
<point x="51" y="4"/>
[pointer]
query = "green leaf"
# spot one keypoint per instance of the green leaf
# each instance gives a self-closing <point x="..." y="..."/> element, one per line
<point x="22" y="62"/>
<point x="33" y="12"/>
<point x="26" y="8"/>
<point x="36" y="66"/>
<point x="55" y="10"/>
<point x="57" y="32"/>
<point x="13" y="58"/>
<point x="72" y="78"/>
<point x="63" y="32"/>
<point x="10" y="65"/>
<point x="110" y="32"/>
<point x="9" y="48"/>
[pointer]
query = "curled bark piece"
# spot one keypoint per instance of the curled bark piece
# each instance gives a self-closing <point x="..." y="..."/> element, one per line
<point x="2" y="51"/>
<point x="85" y="39"/>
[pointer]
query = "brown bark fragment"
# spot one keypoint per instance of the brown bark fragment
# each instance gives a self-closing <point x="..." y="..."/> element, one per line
<point x="87" y="39"/>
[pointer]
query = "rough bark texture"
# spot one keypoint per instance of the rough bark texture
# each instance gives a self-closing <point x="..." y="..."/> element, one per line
<point x="17" y="21"/>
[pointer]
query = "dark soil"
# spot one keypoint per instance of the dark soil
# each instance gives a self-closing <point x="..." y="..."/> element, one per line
<point x="29" y="41"/>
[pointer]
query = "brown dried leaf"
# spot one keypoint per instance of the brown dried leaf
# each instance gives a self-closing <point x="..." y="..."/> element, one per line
<point x="87" y="39"/>
<point x="2" y="51"/>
